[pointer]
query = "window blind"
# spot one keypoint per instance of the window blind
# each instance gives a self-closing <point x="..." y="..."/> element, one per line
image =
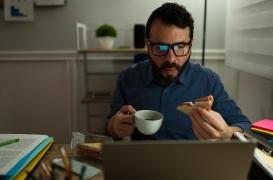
<point x="249" y="36"/>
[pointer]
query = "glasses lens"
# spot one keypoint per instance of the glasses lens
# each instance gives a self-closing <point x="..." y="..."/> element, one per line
<point x="160" y="49"/>
<point x="163" y="47"/>
<point x="181" y="49"/>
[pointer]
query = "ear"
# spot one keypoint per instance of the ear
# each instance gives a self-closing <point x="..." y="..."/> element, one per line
<point x="148" y="46"/>
<point x="147" y="42"/>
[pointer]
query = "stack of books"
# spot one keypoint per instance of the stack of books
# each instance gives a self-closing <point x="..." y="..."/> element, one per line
<point x="264" y="127"/>
<point x="20" y="153"/>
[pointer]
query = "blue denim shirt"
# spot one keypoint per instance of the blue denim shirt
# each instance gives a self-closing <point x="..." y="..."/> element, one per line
<point x="137" y="87"/>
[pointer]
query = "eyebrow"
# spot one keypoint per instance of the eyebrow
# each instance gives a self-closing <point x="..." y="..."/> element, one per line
<point x="179" y="42"/>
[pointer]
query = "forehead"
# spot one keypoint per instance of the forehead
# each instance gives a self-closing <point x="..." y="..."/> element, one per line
<point x="161" y="32"/>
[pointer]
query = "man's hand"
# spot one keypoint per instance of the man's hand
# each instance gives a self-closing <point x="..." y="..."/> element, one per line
<point x="121" y="124"/>
<point x="210" y="125"/>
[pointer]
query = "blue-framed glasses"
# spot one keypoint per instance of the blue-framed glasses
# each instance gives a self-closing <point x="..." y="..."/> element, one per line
<point x="162" y="49"/>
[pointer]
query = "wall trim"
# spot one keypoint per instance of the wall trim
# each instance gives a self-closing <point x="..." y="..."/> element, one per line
<point x="210" y="54"/>
<point x="64" y="55"/>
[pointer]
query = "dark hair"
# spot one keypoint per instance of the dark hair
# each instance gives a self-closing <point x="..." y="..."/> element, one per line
<point x="171" y="14"/>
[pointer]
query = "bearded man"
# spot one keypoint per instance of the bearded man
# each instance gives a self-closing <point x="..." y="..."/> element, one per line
<point x="167" y="79"/>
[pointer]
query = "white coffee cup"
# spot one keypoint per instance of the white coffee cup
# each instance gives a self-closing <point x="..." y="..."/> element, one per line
<point x="148" y="121"/>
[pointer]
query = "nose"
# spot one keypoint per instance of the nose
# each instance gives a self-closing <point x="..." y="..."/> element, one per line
<point x="171" y="57"/>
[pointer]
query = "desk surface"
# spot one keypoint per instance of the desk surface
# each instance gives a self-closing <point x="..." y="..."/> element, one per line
<point x="54" y="153"/>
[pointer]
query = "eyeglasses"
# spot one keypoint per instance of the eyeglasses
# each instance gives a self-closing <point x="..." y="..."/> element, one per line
<point x="162" y="49"/>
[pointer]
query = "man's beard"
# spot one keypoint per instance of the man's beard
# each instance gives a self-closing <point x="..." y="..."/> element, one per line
<point x="158" y="71"/>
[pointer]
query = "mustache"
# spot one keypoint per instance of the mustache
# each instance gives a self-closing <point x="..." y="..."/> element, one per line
<point x="169" y="65"/>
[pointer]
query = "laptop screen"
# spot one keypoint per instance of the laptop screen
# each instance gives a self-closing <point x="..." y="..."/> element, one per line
<point x="212" y="160"/>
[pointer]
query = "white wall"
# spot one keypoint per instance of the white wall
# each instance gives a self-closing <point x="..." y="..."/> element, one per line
<point x="54" y="27"/>
<point x="134" y="12"/>
<point x="255" y="96"/>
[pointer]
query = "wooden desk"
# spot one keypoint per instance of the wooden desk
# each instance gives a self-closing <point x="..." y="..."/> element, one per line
<point x="54" y="153"/>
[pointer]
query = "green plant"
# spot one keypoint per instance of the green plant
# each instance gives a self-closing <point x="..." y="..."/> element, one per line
<point x="106" y="30"/>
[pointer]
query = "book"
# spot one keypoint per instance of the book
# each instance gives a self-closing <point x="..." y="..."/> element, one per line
<point x="264" y="124"/>
<point x="30" y="166"/>
<point x="261" y="131"/>
<point x="18" y="155"/>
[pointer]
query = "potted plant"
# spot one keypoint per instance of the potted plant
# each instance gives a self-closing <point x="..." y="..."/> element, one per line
<point x="106" y="34"/>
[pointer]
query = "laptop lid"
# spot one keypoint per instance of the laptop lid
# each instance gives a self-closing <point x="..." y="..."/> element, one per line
<point x="173" y="160"/>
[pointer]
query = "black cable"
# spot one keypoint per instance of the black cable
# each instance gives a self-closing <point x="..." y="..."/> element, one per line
<point x="204" y="34"/>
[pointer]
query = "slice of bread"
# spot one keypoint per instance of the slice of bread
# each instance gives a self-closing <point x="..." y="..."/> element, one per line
<point x="206" y="105"/>
<point x="204" y="102"/>
<point x="185" y="107"/>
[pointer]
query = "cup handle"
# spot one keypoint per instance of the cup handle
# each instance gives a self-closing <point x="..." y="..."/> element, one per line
<point x="132" y="114"/>
<point x="134" y="123"/>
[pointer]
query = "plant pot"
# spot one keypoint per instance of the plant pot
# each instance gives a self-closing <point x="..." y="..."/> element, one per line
<point x="106" y="42"/>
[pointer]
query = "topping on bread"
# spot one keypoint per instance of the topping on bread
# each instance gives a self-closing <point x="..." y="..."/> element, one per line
<point x="204" y="102"/>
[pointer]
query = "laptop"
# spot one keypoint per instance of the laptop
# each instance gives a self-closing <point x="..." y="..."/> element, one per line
<point x="171" y="160"/>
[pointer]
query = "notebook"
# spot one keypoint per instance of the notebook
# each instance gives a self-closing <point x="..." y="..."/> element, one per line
<point x="265" y="124"/>
<point x="162" y="160"/>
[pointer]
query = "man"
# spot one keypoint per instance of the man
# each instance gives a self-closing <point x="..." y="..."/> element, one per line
<point x="167" y="79"/>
